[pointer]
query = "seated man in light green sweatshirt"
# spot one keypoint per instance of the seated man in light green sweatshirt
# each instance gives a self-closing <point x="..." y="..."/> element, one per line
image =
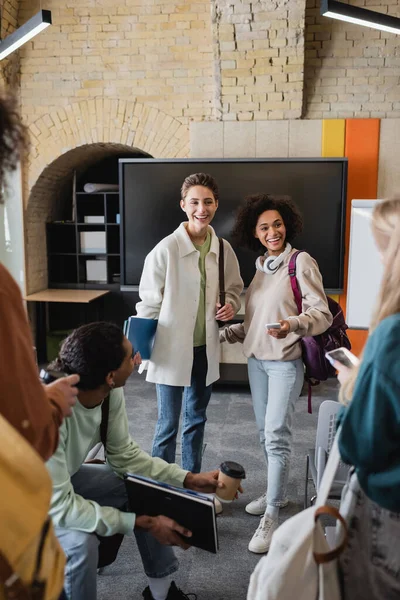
<point x="89" y="501"/>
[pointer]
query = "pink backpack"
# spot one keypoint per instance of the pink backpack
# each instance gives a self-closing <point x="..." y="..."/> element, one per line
<point x="317" y="367"/>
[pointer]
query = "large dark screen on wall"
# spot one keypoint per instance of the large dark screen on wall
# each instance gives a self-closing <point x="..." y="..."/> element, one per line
<point x="151" y="211"/>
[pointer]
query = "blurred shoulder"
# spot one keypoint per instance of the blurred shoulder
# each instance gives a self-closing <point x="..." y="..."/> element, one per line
<point x="8" y="285"/>
<point x="386" y="338"/>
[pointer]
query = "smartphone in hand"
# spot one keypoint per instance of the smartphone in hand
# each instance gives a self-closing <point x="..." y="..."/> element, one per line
<point x="48" y="376"/>
<point x="273" y="326"/>
<point x="343" y="356"/>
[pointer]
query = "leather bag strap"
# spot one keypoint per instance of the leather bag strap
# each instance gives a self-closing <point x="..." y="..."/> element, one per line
<point x="221" y="267"/>
<point x="293" y="280"/>
<point x="105" y="411"/>
<point x="14" y="588"/>
<point x="326" y="557"/>
<point x="329" y="473"/>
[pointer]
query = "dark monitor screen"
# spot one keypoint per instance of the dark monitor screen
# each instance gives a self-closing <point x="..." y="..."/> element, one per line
<point x="150" y="194"/>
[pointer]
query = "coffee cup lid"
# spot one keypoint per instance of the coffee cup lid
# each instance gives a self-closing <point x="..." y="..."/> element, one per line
<point x="233" y="469"/>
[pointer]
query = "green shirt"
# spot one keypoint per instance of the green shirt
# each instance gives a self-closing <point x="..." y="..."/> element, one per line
<point x="370" y="436"/>
<point x="79" y="434"/>
<point x="199" y="335"/>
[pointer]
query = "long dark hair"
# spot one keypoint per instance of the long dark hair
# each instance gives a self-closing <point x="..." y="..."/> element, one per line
<point x="254" y="206"/>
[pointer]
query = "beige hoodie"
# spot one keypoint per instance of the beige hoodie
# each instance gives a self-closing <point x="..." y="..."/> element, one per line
<point x="269" y="298"/>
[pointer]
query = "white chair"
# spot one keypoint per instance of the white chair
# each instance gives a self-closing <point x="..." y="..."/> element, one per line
<point x="317" y="458"/>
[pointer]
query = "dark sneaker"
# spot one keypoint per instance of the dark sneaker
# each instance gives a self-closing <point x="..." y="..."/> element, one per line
<point x="146" y="594"/>
<point x="174" y="593"/>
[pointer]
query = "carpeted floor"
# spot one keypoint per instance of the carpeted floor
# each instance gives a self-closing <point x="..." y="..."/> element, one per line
<point x="230" y="435"/>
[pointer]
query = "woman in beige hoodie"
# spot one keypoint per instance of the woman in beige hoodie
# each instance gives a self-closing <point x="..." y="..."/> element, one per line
<point x="275" y="366"/>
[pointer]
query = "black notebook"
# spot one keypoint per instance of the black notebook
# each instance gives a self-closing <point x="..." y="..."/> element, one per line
<point x="190" y="509"/>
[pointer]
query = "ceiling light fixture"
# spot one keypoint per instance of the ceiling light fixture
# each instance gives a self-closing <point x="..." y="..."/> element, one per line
<point x="359" y="16"/>
<point x="24" y="33"/>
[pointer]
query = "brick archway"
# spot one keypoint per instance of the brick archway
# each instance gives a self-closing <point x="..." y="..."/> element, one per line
<point x="78" y="135"/>
<point x="104" y="120"/>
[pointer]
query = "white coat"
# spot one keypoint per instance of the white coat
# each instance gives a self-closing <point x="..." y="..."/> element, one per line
<point x="169" y="290"/>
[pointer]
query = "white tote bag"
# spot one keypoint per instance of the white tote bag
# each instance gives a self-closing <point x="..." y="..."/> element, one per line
<point x="300" y="564"/>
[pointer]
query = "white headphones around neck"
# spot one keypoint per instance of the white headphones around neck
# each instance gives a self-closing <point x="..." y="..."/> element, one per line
<point x="270" y="264"/>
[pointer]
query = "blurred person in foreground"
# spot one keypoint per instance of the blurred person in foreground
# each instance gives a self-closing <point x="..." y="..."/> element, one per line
<point x="35" y="410"/>
<point x="29" y="552"/>
<point x="370" y="434"/>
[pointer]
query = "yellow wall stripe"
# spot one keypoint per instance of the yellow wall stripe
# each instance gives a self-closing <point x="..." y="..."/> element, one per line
<point x="333" y="136"/>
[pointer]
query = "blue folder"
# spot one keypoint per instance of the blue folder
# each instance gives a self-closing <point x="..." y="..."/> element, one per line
<point x="141" y="333"/>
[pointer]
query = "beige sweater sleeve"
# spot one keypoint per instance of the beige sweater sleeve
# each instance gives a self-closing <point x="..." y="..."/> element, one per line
<point x="315" y="317"/>
<point x="232" y="333"/>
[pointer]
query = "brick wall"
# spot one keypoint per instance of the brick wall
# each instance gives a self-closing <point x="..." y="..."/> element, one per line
<point x="9" y="68"/>
<point x="351" y="71"/>
<point x="155" y="52"/>
<point x="210" y="59"/>
<point x="136" y="73"/>
<point x="259" y="59"/>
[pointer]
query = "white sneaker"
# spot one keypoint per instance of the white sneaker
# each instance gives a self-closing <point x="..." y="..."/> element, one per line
<point x="261" y="540"/>
<point x="258" y="507"/>
<point x="218" y="506"/>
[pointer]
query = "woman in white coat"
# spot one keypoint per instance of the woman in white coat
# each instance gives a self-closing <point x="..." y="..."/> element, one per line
<point x="180" y="287"/>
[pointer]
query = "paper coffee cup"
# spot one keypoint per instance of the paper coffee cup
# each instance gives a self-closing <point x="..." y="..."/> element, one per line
<point x="231" y="474"/>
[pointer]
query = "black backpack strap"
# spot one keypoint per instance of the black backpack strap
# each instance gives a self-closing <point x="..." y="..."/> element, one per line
<point x="105" y="411"/>
<point x="221" y="267"/>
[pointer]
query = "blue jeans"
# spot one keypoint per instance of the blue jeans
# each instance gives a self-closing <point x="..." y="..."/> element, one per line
<point x="370" y="562"/>
<point x="275" y="387"/>
<point x="100" y="484"/>
<point x="195" y="402"/>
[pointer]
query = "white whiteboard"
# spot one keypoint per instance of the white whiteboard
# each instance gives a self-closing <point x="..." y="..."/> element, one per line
<point x="365" y="267"/>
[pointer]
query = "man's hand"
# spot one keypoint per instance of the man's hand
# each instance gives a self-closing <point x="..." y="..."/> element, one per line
<point x="225" y="312"/>
<point x="165" y="530"/>
<point x="203" y="482"/>
<point x="206" y="482"/>
<point x="63" y="391"/>
<point x="282" y="332"/>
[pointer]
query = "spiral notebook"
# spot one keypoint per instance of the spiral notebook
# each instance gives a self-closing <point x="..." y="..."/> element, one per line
<point x="190" y="509"/>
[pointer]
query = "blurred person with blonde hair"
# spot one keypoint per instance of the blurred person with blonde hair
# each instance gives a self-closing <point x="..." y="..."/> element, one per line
<point x="370" y="435"/>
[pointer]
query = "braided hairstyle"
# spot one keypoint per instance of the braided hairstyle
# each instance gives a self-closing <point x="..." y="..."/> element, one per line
<point x="91" y="351"/>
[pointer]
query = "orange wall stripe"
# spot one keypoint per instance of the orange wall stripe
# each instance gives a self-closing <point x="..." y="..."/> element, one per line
<point x="362" y="150"/>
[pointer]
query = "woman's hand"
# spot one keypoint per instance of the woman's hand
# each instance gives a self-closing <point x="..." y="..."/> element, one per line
<point x="343" y="372"/>
<point x="225" y="312"/>
<point x="282" y="332"/>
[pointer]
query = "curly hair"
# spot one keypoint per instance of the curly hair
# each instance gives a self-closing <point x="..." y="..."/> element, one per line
<point x="255" y="205"/>
<point x="203" y="179"/>
<point x="91" y="351"/>
<point x="13" y="136"/>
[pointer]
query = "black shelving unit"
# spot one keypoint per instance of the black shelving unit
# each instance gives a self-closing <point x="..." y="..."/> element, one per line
<point x="67" y="255"/>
